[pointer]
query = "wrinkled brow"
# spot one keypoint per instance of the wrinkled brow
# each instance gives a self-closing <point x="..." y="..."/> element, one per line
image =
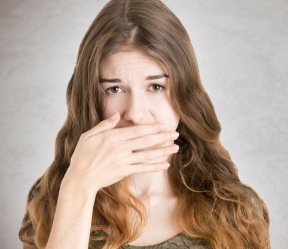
<point x="151" y="77"/>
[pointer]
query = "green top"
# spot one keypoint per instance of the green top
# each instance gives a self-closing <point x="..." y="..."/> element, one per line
<point x="178" y="241"/>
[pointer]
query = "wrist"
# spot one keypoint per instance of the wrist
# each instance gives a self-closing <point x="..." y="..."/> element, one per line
<point x="74" y="191"/>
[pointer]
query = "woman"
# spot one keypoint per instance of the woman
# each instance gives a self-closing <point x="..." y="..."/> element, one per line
<point x="120" y="179"/>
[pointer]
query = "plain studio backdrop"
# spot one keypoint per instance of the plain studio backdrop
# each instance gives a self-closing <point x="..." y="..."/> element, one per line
<point x="241" y="47"/>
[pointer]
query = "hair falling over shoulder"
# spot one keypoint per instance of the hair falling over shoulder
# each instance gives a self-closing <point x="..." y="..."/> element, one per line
<point x="214" y="204"/>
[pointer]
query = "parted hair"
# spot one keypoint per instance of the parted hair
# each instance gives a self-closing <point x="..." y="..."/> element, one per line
<point x="214" y="205"/>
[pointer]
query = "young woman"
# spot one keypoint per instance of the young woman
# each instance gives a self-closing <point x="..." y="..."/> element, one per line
<point x="122" y="176"/>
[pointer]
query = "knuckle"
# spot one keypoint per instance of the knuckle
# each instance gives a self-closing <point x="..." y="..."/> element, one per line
<point x="147" y="155"/>
<point x="125" y="151"/>
<point x="147" y="140"/>
<point x="134" y="169"/>
<point x="107" y="144"/>
<point x="104" y="139"/>
<point x="84" y="136"/>
<point x="155" y="167"/>
<point x="112" y="133"/>
<point x="103" y="135"/>
<point x="146" y="168"/>
<point x="165" y="151"/>
<point x="167" y="136"/>
<point x="151" y="168"/>
<point x="122" y="147"/>
<point x="138" y="130"/>
<point x="107" y="136"/>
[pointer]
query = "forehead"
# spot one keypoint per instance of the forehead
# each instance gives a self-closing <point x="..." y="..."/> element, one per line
<point x="128" y="61"/>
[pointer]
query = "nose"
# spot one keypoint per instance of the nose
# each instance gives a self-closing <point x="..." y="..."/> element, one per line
<point x="136" y="110"/>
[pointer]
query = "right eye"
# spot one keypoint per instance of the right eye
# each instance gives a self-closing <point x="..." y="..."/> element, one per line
<point x="112" y="90"/>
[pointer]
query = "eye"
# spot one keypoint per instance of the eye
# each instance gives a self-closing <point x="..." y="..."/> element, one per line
<point x="112" y="90"/>
<point x="157" y="88"/>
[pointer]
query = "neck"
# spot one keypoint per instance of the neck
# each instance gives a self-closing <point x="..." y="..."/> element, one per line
<point x="152" y="184"/>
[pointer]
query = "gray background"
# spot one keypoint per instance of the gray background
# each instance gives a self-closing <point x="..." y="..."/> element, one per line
<point x="241" y="48"/>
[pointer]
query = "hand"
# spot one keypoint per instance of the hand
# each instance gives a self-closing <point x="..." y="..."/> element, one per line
<point x="104" y="155"/>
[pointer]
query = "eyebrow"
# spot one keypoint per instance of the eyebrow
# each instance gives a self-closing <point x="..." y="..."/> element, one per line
<point x="151" y="77"/>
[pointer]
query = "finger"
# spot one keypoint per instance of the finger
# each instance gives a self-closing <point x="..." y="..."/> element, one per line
<point x="157" y="154"/>
<point x="104" y="125"/>
<point x="131" y="132"/>
<point x="146" y="168"/>
<point x="150" y="140"/>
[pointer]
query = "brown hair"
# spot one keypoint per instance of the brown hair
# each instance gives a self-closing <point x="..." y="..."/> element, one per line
<point x="213" y="203"/>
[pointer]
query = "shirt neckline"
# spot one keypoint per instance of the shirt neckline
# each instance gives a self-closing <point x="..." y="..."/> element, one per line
<point x="158" y="244"/>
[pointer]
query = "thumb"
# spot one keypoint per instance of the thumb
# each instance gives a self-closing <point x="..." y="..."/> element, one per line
<point x="105" y="125"/>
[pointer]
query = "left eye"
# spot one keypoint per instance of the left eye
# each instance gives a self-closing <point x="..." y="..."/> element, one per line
<point x="157" y="87"/>
<point x="112" y="90"/>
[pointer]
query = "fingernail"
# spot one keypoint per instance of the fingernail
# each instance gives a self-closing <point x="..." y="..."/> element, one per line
<point x="114" y="117"/>
<point x="174" y="134"/>
<point x="166" y="165"/>
<point x="175" y="148"/>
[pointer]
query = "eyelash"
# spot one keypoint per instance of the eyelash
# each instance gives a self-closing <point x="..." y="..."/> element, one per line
<point x="154" y="92"/>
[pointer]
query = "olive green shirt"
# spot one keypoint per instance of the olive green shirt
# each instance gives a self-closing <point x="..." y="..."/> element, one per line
<point x="178" y="241"/>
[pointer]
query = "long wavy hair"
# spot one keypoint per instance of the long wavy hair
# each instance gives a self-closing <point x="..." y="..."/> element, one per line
<point x="214" y="205"/>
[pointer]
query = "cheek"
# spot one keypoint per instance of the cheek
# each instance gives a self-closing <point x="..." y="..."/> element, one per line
<point x="165" y="112"/>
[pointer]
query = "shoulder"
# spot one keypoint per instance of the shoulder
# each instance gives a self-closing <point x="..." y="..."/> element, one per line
<point x="255" y="203"/>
